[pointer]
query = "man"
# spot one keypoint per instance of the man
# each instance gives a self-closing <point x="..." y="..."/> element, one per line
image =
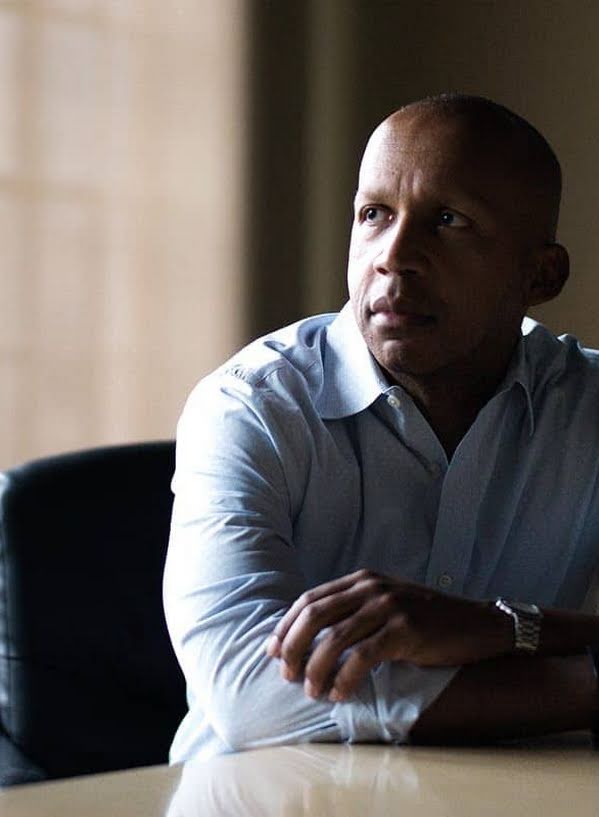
<point x="359" y="490"/>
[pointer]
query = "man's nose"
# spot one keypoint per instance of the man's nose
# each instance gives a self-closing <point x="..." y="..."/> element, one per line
<point x="402" y="248"/>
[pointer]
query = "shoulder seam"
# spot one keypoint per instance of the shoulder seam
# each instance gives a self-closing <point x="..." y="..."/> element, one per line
<point x="254" y="377"/>
<point x="251" y="376"/>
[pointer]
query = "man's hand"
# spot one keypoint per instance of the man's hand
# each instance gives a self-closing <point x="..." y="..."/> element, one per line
<point x="378" y="618"/>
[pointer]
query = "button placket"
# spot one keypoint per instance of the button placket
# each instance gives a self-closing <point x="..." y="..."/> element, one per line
<point x="455" y="530"/>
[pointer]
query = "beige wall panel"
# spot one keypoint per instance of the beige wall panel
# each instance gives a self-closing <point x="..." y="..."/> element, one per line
<point x="121" y="197"/>
<point x="11" y="38"/>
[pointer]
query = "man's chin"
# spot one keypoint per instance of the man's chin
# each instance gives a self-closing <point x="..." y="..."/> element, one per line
<point x="401" y="357"/>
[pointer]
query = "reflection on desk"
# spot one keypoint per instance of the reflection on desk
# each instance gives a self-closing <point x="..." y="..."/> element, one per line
<point x="552" y="777"/>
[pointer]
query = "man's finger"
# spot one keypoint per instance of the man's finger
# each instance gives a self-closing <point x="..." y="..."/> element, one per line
<point x="322" y="664"/>
<point x="312" y="620"/>
<point x="311" y="596"/>
<point x="361" y="659"/>
<point x="274" y="642"/>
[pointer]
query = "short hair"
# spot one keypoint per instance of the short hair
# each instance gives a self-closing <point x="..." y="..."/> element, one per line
<point x="529" y="149"/>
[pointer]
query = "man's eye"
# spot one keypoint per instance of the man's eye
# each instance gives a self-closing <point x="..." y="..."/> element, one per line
<point x="374" y="215"/>
<point x="447" y="218"/>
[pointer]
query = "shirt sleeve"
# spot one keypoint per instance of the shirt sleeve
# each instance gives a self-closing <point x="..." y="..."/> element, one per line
<point x="232" y="572"/>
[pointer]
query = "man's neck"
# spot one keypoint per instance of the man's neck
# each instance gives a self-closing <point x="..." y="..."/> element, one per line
<point x="451" y="399"/>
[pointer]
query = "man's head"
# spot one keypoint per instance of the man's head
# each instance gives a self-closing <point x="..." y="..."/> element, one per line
<point x="453" y="236"/>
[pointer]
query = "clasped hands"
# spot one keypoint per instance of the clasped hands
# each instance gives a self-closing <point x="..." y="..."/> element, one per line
<point x="335" y="633"/>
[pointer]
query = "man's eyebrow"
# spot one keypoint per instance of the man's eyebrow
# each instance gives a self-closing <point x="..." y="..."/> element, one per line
<point x="463" y="195"/>
<point x="369" y="195"/>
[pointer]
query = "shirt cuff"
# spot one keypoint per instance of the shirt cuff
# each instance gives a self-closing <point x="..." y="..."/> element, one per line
<point x="390" y="701"/>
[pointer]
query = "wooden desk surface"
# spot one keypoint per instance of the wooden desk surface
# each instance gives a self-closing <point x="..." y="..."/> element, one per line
<point x="553" y="778"/>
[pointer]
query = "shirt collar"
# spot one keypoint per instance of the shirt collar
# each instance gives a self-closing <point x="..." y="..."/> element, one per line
<point x="353" y="379"/>
<point x="519" y="373"/>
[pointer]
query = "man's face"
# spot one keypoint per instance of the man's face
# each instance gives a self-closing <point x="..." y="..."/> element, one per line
<point x="442" y="249"/>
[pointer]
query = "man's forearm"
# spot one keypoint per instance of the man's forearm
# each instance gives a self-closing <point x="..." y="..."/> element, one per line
<point x="499" y="692"/>
<point x="512" y="697"/>
<point x="564" y="632"/>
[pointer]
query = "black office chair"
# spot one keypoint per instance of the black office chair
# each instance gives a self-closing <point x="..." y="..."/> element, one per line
<point x="88" y="678"/>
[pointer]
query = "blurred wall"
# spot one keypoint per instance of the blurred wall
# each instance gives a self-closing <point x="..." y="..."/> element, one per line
<point x="177" y="178"/>
<point x="121" y="189"/>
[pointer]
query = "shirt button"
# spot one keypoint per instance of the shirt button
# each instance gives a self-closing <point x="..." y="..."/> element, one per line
<point x="393" y="401"/>
<point x="434" y="469"/>
<point x="445" y="580"/>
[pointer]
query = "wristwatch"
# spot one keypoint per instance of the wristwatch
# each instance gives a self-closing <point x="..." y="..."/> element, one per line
<point x="527" y="623"/>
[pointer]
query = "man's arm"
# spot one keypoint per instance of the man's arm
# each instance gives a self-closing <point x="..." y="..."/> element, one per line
<point x="510" y="697"/>
<point x="232" y="572"/>
<point x="362" y="619"/>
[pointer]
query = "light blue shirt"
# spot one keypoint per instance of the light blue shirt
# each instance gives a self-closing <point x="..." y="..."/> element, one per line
<point x="298" y="463"/>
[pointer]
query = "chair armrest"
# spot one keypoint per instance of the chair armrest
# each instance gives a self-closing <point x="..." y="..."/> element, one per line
<point x="15" y="767"/>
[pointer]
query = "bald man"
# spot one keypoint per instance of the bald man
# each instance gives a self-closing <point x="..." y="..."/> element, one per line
<point x="386" y="521"/>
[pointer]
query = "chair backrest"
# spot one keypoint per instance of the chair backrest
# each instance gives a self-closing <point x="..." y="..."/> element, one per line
<point x="88" y="678"/>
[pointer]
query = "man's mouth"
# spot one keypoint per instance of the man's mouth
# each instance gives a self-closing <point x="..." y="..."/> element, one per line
<point x="389" y="314"/>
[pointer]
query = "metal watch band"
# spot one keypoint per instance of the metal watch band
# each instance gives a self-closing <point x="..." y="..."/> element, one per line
<point x="527" y="624"/>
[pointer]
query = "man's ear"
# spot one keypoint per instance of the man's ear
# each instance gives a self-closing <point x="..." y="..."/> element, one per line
<point x="550" y="273"/>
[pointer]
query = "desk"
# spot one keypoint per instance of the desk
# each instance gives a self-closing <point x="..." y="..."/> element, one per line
<point x="552" y="778"/>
